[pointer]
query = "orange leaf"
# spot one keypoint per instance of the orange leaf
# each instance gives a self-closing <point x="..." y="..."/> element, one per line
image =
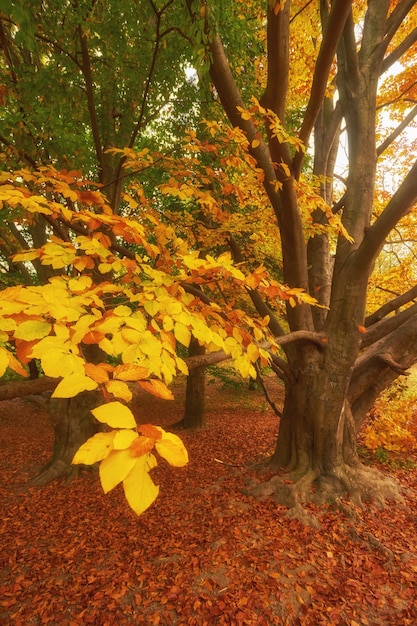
<point x="362" y="329"/>
<point x="16" y="366"/>
<point x="96" y="372"/>
<point x="130" y="372"/>
<point x="157" y="388"/>
<point x="24" y="349"/>
<point x="148" y="430"/>
<point x="93" y="336"/>
<point x="141" y="445"/>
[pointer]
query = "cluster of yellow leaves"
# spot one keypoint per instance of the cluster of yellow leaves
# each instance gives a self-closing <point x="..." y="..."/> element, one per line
<point x="390" y="427"/>
<point x="125" y="454"/>
<point x="155" y="293"/>
<point x="313" y="206"/>
<point x="276" y="127"/>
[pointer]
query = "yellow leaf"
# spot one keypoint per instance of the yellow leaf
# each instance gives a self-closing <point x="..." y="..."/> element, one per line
<point x="80" y="284"/>
<point x="252" y="352"/>
<point x="57" y="357"/>
<point x="94" y="449"/>
<point x="156" y="388"/>
<point x="72" y="385"/>
<point x="244" y="368"/>
<point x="255" y="143"/>
<point x="4" y="361"/>
<point x="131" y="335"/>
<point x="182" y="334"/>
<point x="167" y="323"/>
<point x="172" y="449"/>
<point x="232" y="347"/>
<point x="140" y="490"/>
<point x="122" y="311"/>
<point x="124" y="438"/>
<point x="32" y="329"/>
<point x="115" y="414"/>
<point x="118" y="389"/>
<point x="114" y="468"/>
<point x="245" y="115"/>
<point x="150" y="345"/>
<point x="26" y="256"/>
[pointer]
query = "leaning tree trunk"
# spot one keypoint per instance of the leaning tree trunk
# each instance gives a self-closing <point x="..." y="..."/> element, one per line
<point x="73" y="424"/>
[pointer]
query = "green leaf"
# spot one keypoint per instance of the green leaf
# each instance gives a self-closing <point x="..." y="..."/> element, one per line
<point x="115" y="414"/>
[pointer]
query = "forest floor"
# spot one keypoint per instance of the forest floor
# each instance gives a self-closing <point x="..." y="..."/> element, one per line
<point x="204" y="553"/>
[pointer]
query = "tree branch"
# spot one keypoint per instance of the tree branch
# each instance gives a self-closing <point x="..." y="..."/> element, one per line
<point x="396" y="367"/>
<point x="257" y="300"/>
<point x="339" y="13"/>
<point x="399" y="205"/>
<point x="395" y="133"/>
<point x="89" y="87"/>
<point x="396" y="18"/>
<point x="391" y="306"/>
<point x="210" y="358"/>
<point x="386" y="326"/>
<point x="20" y="389"/>
<point x="396" y="54"/>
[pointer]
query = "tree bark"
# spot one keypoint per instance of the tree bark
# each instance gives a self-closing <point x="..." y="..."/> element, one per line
<point x="315" y="458"/>
<point x="194" y="409"/>
<point x="73" y="424"/>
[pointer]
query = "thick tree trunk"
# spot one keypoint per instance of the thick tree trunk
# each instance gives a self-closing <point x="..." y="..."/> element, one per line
<point x="73" y="424"/>
<point x="315" y="457"/>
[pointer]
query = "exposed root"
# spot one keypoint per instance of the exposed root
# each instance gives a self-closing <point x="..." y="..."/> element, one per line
<point x="304" y="516"/>
<point x="356" y="484"/>
<point x="58" y="470"/>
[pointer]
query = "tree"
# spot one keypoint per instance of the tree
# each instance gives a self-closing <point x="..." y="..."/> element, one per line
<point x="289" y="104"/>
<point x="77" y="80"/>
<point x="338" y="359"/>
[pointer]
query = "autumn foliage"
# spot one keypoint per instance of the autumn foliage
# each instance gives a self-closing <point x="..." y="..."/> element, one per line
<point x="134" y="298"/>
<point x="237" y="201"/>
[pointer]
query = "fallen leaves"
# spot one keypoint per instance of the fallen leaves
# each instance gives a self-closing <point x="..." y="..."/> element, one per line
<point x="205" y="553"/>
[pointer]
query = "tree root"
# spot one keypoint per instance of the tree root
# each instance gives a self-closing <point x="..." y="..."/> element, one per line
<point x="357" y="484"/>
<point x="58" y="470"/>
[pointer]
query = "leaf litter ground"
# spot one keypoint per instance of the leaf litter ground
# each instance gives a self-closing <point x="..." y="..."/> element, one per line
<point x="205" y="553"/>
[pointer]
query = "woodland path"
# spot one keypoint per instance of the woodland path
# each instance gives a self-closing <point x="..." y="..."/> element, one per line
<point x="205" y="553"/>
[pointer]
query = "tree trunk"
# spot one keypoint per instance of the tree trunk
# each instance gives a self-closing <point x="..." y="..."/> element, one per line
<point x="194" y="410"/>
<point x="315" y="458"/>
<point x="73" y="424"/>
